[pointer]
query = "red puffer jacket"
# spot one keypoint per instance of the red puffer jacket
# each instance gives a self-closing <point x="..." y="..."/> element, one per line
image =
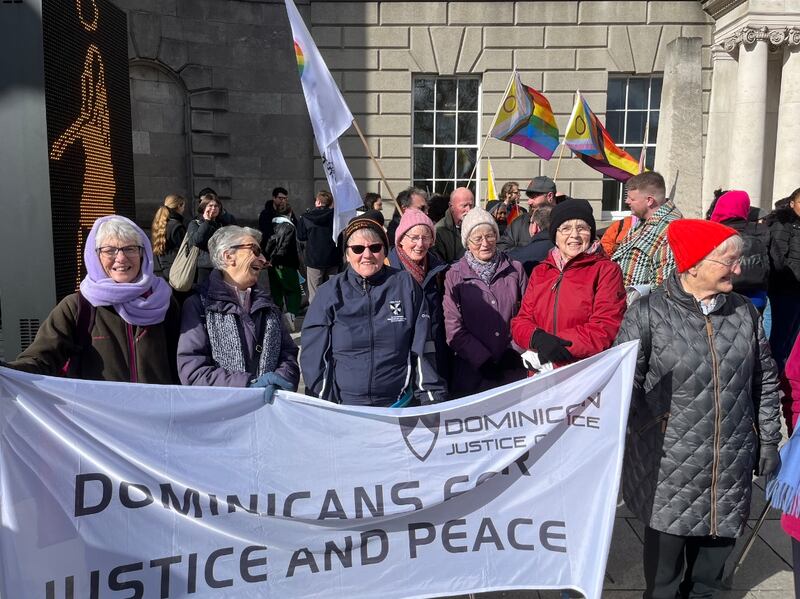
<point x="584" y="303"/>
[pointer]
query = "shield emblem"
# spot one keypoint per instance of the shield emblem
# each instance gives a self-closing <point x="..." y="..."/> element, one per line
<point x="396" y="307"/>
<point x="420" y="434"/>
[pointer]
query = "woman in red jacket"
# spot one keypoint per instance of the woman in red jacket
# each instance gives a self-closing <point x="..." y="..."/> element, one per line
<point x="790" y="385"/>
<point x="575" y="300"/>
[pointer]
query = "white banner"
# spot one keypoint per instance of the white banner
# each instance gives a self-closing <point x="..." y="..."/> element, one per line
<point x="115" y="490"/>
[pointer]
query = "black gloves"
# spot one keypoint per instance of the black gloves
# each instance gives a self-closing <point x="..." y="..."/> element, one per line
<point x="549" y="347"/>
<point x="770" y="460"/>
<point x="510" y="360"/>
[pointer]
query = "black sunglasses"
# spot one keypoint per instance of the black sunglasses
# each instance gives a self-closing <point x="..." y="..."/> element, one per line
<point x="373" y="247"/>
<point x="248" y="246"/>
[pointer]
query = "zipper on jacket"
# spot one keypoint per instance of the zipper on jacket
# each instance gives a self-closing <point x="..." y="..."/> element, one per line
<point x="371" y="338"/>
<point x="717" y="426"/>
<point x="131" y="352"/>
<point x="557" y="288"/>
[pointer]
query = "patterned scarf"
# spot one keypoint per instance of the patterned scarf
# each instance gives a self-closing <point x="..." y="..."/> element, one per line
<point x="418" y="270"/>
<point x="484" y="270"/>
<point x="227" y="346"/>
<point x="644" y="255"/>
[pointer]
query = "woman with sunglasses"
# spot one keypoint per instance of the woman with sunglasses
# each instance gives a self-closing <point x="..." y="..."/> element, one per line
<point x="482" y="292"/>
<point x="575" y="301"/>
<point x="232" y="333"/>
<point x="122" y="325"/>
<point x="366" y="336"/>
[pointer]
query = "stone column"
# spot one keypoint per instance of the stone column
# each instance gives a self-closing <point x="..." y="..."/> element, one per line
<point x="787" y="145"/>
<point x="749" y="115"/>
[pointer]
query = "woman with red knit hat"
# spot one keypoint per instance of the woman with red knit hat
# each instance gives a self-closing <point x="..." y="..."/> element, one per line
<point x="705" y="396"/>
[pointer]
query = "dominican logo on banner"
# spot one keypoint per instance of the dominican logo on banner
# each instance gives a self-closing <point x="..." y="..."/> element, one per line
<point x="122" y="490"/>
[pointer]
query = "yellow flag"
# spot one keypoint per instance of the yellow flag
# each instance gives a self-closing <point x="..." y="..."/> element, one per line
<point x="491" y="190"/>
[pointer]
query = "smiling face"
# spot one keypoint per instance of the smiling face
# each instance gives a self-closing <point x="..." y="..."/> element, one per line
<point x="243" y="263"/>
<point x="416" y="242"/>
<point x="714" y="274"/>
<point x="368" y="262"/>
<point x="573" y="238"/>
<point x="482" y="242"/>
<point x="121" y="265"/>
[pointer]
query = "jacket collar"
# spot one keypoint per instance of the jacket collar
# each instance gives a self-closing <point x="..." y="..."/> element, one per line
<point x="358" y="281"/>
<point x="221" y="298"/>
<point x="676" y="292"/>
<point x="435" y="264"/>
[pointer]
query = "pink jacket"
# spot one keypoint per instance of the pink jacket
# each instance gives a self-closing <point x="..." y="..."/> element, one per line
<point x="790" y="384"/>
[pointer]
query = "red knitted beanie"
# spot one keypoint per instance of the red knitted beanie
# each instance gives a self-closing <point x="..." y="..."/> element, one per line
<point x="691" y="240"/>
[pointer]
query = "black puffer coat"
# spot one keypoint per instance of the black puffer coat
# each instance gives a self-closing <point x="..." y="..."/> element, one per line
<point x="697" y="404"/>
<point x="785" y="251"/>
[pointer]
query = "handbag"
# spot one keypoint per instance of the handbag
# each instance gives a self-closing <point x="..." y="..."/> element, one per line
<point x="184" y="267"/>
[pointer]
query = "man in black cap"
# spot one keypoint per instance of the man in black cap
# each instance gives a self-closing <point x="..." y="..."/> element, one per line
<point x="541" y="192"/>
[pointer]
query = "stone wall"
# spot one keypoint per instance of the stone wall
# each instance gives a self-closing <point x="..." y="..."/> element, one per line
<point x="216" y="102"/>
<point x="375" y="48"/>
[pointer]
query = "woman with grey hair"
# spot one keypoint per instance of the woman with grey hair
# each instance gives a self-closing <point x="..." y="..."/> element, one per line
<point x="232" y="333"/>
<point x="122" y="325"/>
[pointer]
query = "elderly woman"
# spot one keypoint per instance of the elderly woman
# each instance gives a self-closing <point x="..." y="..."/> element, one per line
<point x="123" y="323"/>
<point x="414" y="237"/>
<point x="482" y="292"/>
<point x="575" y="301"/>
<point x="232" y="334"/>
<point x="365" y="336"/>
<point x="200" y="231"/>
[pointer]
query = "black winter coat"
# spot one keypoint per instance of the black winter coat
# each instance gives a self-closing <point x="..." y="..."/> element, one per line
<point x="517" y="234"/>
<point x="315" y="230"/>
<point x="702" y="396"/>
<point x="755" y="265"/>
<point x="785" y="251"/>
<point x="176" y="231"/>
<point x="534" y="252"/>
<point x="281" y="249"/>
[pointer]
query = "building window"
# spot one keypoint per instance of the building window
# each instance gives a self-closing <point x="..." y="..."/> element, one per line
<point x="632" y="102"/>
<point x="445" y="132"/>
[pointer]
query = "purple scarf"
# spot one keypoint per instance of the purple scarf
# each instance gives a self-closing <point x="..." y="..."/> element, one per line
<point x="143" y="302"/>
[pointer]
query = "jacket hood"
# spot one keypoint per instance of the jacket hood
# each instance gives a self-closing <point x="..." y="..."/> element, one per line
<point x="322" y="217"/>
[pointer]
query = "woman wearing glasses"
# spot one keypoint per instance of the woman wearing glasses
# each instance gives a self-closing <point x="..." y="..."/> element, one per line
<point x="232" y="333"/>
<point x="482" y="292"/>
<point x="123" y="323"/>
<point x="575" y="301"/>
<point x="365" y="336"/>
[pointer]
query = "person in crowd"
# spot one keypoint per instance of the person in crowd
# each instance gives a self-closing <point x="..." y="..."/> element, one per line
<point x="482" y="293"/>
<point x="224" y="217"/>
<point x="414" y="238"/>
<point x="411" y="197"/>
<point x="323" y="257"/>
<point x="498" y="211"/>
<point x="540" y="245"/>
<point x="616" y="232"/>
<point x="784" y="285"/>
<point x="705" y="397"/>
<point x="122" y="325"/>
<point x="284" y="266"/>
<point x="167" y="232"/>
<point x="449" y="246"/>
<point x="232" y="334"/>
<point x="277" y="206"/>
<point x="366" y="337"/>
<point x="200" y="231"/>
<point x="437" y="206"/>
<point x="644" y="255"/>
<point x="373" y="201"/>
<point x="733" y="209"/>
<point x="509" y="195"/>
<point x="541" y="191"/>
<point x="575" y="300"/>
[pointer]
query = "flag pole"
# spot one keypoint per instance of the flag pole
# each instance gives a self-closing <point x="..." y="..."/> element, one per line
<point x="496" y="114"/>
<point x="643" y="155"/>
<point x="558" y="164"/>
<point x="377" y="164"/>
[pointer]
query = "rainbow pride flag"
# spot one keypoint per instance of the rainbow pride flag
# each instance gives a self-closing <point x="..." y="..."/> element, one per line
<point x="526" y="119"/>
<point x="587" y="138"/>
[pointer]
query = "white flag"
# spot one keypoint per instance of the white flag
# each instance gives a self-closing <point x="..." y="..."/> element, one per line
<point x="330" y="118"/>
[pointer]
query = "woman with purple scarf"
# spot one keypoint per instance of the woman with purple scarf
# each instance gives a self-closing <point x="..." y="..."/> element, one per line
<point x="122" y="325"/>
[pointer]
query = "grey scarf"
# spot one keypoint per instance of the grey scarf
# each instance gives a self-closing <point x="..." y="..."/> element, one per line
<point x="484" y="270"/>
<point x="227" y="344"/>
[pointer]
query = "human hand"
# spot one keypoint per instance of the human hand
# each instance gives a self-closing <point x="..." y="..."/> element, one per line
<point x="549" y="347"/>
<point x="770" y="460"/>
<point x="270" y="381"/>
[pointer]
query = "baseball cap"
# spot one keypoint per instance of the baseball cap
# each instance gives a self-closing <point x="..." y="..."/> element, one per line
<point x="541" y="184"/>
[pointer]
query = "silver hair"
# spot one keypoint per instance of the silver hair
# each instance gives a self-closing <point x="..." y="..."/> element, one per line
<point x="734" y="242"/>
<point x="225" y="238"/>
<point x="117" y="227"/>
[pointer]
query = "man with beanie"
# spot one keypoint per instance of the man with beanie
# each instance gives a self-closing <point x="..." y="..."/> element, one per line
<point x="541" y="192"/>
<point x="705" y="397"/>
<point x="448" y="230"/>
<point x="644" y="255"/>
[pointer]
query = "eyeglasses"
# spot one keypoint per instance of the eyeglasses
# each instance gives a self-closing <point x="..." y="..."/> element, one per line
<point x="374" y="248"/>
<point x="426" y="239"/>
<point x="729" y="263"/>
<point x="488" y="238"/>
<point x="129" y="251"/>
<point x="581" y="229"/>
<point x="248" y="246"/>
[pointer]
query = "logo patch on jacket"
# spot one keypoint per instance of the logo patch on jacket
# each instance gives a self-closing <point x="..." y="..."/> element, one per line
<point x="396" y="309"/>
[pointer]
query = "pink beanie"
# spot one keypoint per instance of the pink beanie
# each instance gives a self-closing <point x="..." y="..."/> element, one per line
<point x="731" y="204"/>
<point x="411" y="218"/>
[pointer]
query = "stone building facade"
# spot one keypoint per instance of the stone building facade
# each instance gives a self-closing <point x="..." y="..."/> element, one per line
<point x="216" y="98"/>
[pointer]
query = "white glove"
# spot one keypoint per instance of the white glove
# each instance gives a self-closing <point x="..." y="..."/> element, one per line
<point x="531" y="360"/>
